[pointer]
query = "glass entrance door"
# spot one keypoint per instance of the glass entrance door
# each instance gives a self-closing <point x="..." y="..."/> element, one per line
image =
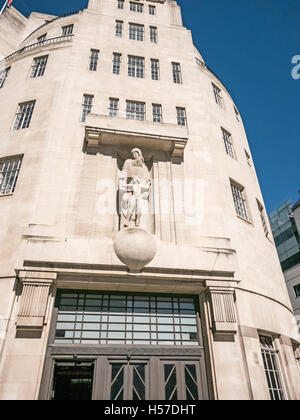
<point x="128" y="381"/>
<point x="181" y="381"/>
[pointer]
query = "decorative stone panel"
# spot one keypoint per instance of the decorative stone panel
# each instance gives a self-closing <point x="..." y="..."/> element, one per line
<point x="222" y="311"/>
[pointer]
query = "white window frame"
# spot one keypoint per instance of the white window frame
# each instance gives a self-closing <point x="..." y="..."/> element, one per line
<point x="240" y="201"/>
<point x="136" y="67"/>
<point x="24" y="115"/>
<point x="94" y="59"/>
<point x="68" y="30"/>
<point x="117" y="62"/>
<point x="155" y="69"/>
<point x="136" y="32"/>
<point x="38" y="67"/>
<point x="87" y="106"/>
<point x="176" y="72"/>
<point x="9" y="173"/>
<point x="113" y="109"/>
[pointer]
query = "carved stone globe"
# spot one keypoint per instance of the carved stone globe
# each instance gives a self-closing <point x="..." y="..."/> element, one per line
<point x="135" y="247"/>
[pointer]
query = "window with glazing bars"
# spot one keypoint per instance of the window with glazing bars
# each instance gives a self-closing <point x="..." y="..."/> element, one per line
<point x="237" y="114"/>
<point x="120" y="4"/>
<point x="113" y="107"/>
<point x="3" y="76"/>
<point x="87" y="106"/>
<point x="176" y="73"/>
<point x="119" y="28"/>
<point x="228" y="143"/>
<point x="135" y="110"/>
<point x="94" y="58"/>
<point x="67" y="30"/>
<point x="218" y="95"/>
<point x="136" y="32"/>
<point x="9" y="172"/>
<point x="181" y="116"/>
<point x="152" y="10"/>
<point x="157" y="113"/>
<point x="42" y="38"/>
<point x="24" y="115"/>
<point x="239" y="199"/>
<point x="154" y="69"/>
<point x="39" y="66"/>
<point x="136" y="7"/>
<point x="136" y="66"/>
<point x="263" y="218"/>
<point x="297" y="290"/>
<point x="272" y="369"/>
<point x="153" y="34"/>
<point x="117" y="58"/>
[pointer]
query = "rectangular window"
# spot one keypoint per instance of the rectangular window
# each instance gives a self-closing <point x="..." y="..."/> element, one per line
<point x="176" y="69"/>
<point x="157" y="113"/>
<point x="94" y="58"/>
<point x="237" y="115"/>
<point x="117" y="58"/>
<point x="228" y="143"/>
<point x="136" y="66"/>
<point x="297" y="290"/>
<point x="87" y="106"/>
<point x="153" y="34"/>
<point x="136" y="32"/>
<point x="113" y="107"/>
<point x="120" y="4"/>
<point x="218" y="95"/>
<point x="181" y="116"/>
<point x="154" y="69"/>
<point x="135" y="110"/>
<point x="119" y="28"/>
<point x="248" y="159"/>
<point x="3" y="76"/>
<point x="239" y="199"/>
<point x="42" y="38"/>
<point x="9" y="172"/>
<point x="39" y="66"/>
<point x="272" y="369"/>
<point x="24" y="115"/>
<point x="152" y="10"/>
<point x="67" y="30"/>
<point x="136" y="7"/>
<point x="263" y="218"/>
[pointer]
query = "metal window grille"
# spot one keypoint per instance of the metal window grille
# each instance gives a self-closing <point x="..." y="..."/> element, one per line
<point x="117" y="63"/>
<point x="3" y="76"/>
<point x="119" y="28"/>
<point x="154" y="69"/>
<point x="39" y="66"/>
<point x="218" y="96"/>
<point x="24" y="115"/>
<point x="67" y="30"/>
<point x="136" y="32"/>
<point x="9" y="172"/>
<point x="113" y="107"/>
<point x="153" y="34"/>
<point x="181" y="116"/>
<point x="152" y="10"/>
<point x="120" y="4"/>
<point x="262" y="217"/>
<point x="136" y="66"/>
<point x="157" y="113"/>
<point x="228" y="143"/>
<point x="107" y="318"/>
<point x="176" y="73"/>
<point x="272" y="369"/>
<point x="87" y="106"/>
<point x="135" y="110"/>
<point x="239" y="201"/>
<point x="94" y="58"/>
<point x="136" y="7"/>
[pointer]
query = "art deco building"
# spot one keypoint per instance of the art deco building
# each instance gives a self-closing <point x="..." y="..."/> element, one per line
<point x="136" y="257"/>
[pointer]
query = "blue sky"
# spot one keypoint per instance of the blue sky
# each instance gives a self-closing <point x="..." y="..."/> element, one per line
<point x="249" y="44"/>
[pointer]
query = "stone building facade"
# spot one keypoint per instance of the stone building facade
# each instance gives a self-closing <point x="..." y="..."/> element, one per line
<point x="136" y="258"/>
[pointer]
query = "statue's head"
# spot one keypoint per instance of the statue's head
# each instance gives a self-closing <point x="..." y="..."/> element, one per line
<point x="137" y="154"/>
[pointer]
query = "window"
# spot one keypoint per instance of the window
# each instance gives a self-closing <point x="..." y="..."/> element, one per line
<point x="297" y="290"/>
<point x="136" y="7"/>
<point x="119" y="28"/>
<point x="9" y="172"/>
<point x="87" y="106"/>
<point x="135" y="110"/>
<point x="113" y="107"/>
<point x="153" y="34"/>
<point x="120" y="4"/>
<point x="263" y="217"/>
<point x="39" y="66"/>
<point x="218" y="95"/>
<point x="117" y="58"/>
<point x="272" y="369"/>
<point x="237" y="115"/>
<point x="157" y="113"/>
<point x="42" y="38"/>
<point x="154" y="69"/>
<point x="152" y="10"/>
<point x="3" y="76"/>
<point x="181" y="116"/>
<point x="239" y="199"/>
<point x="68" y="30"/>
<point x="136" y="66"/>
<point x="228" y="143"/>
<point x="176" y="73"/>
<point x="24" y="115"/>
<point x="94" y="58"/>
<point x="136" y="32"/>
<point x="248" y="159"/>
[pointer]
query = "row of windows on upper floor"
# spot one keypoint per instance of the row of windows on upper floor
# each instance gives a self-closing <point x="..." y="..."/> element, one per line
<point x="136" y="7"/>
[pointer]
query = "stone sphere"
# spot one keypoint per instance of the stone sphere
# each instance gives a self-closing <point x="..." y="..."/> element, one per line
<point x="135" y="247"/>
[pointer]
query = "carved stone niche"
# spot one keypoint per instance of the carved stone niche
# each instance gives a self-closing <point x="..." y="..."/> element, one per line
<point x="223" y="319"/>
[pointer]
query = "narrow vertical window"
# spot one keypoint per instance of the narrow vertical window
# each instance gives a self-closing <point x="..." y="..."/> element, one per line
<point x="176" y="69"/>
<point x="113" y="110"/>
<point x="136" y="32"/>
<point x="87" y="106"/>
<point x="218" y="95"/>
<point x="181" y="116"/>
<point x="3" y="76"/>
<point x="39" y="66"/>
<point x="228" y="143"/>
<point x="136" y="67"/>
<point x="94" y="58"/>
<point x="238" y="193"/>
<point x="237" y="114"/>
<point x="120" y="4"/>
<point x="157" y="113"/>
<point x="9" y="172"/>
<point x="117" y="58"/>
<point x="154" y="69"/>
<point x="263" y="218"/>
<point x="24" y="115"/>
<point x="152" y="10"/>
<point x="153" y="34"/>
<point x="119" y="28"/>
<point x="248" y="159"/>
<point x="135" y="110"/>
<point x="297" y="290"/>
<point x="67" y="30"/>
